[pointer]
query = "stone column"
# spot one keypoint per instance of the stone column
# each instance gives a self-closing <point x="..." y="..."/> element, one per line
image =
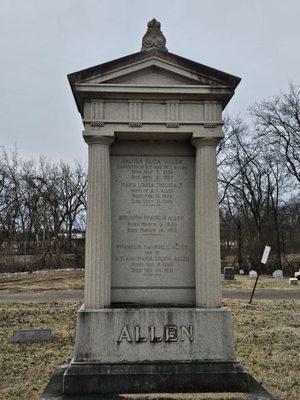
<point x="97" y="293"/>
<point x="207" y="229"/>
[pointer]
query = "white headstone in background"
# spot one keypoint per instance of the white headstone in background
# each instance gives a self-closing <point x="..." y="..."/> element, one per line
<point x="253" y="274"/>
<point x="278" y="274"/>
<point x="242" y="272"/>
<point x="293" y="281"/>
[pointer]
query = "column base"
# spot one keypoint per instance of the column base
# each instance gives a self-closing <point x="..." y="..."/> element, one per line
<point x="85" y="381"/>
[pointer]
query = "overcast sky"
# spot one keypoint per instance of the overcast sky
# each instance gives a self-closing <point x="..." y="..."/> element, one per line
<point x="41" y="41"/>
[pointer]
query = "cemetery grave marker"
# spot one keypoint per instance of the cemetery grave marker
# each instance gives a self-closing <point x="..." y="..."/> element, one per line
<point x="152" y="319"/>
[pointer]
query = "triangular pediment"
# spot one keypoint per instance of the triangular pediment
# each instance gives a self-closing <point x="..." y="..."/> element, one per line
<point x="153" y="67"/>
<point x="152" y="71"/>
<point x="153" y="75"/>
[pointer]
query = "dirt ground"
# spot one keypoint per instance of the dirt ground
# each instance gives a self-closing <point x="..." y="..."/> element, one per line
<point x="267" y="336"/>
<point x="74" y="279"/>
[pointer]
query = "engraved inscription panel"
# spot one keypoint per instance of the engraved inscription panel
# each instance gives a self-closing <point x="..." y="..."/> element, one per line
<point x="152" y="221"/>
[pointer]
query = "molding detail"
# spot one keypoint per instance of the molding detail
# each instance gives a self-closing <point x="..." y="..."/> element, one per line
<point x="212" y="125"/>
<point x="135" y="113"/>
<point x="172" y="125"/>
<point x="172" y="110"/>
<point x="94" y="111"/>
<point x="97" y="123"/>
<point x="172" y="113"/>
<point x="212" y="111"/>
<point x="135" y="124"/>
<point x="97" y="109"/>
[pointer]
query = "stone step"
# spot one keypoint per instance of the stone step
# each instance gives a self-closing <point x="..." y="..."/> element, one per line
<point x="188" y="396"/>
<point x="53" y="391"/>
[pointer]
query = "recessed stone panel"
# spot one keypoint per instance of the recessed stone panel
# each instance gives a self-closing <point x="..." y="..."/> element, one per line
<point x="152" y="223"/>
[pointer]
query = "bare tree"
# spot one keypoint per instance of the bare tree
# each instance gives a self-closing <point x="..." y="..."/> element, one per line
<point x="40" y="206"/>
<point x="278" y="122"/>
<point x="252" y="184"/>
<point x="73" y="194"/>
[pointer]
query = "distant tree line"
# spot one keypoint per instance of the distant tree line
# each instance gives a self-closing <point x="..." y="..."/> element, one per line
<point x="42" y="210"/>
<point x="43" y="205"/>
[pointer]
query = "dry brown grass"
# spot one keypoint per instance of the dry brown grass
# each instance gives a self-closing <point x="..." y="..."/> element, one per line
<point x="267" y="337"/>
<point x="243" y="282"/>
<point x="74" y="279"/>
<point x="42" y="280"/>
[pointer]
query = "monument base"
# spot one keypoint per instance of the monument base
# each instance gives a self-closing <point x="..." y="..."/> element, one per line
<point x="106" y="381"/>
<point x="118" y="335"/>
<point x="152" y="350"/>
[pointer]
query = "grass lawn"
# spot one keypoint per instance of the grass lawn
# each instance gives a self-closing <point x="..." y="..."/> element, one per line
<point x="74" y="279"/>
<point x="267" y="336"/>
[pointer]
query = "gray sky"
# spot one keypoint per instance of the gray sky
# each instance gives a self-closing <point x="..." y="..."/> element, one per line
<point x="41" y="41"/>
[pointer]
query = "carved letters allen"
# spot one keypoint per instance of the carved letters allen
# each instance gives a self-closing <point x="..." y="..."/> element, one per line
<point x="152" y="335"/>
<point x="124" y="335"/>
<point x="138" y="337"/>
<point x="169" y="334"/>
<point x="189" y="332"/>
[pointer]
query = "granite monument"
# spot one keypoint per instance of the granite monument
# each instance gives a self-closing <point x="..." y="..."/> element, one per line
<point x="152" y="319"/>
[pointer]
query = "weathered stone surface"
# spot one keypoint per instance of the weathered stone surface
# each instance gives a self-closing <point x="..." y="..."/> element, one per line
<point x="153" y="222"/>
<point x="149" y="377"/>
<point x="153" y="334"/>
<point x="169" y="378"/>
<point x="32" y="335"/>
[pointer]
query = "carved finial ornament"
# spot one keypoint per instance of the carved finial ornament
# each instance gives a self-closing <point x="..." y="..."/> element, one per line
<point x="154" y="38"/>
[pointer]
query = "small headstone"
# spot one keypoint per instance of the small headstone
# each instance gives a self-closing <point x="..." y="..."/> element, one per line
<point x="229" y="273"/>
<point x="297" y="274"/>
<point x="32" y="335"/>
<point x="293" y="281"/>
<point x="278" y="274"/>
<point x="253" y="274"/>
<point x="242" y="272"/>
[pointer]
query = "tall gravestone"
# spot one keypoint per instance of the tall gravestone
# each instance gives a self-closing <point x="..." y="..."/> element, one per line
<point x="152" y="318"/>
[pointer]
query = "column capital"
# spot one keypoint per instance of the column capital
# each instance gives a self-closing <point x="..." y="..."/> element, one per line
<point x="102" y="140"/>
<point x="206" y="141"/>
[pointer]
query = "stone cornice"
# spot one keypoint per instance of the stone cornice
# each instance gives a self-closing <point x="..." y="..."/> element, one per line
<point x="173" y="89"/>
